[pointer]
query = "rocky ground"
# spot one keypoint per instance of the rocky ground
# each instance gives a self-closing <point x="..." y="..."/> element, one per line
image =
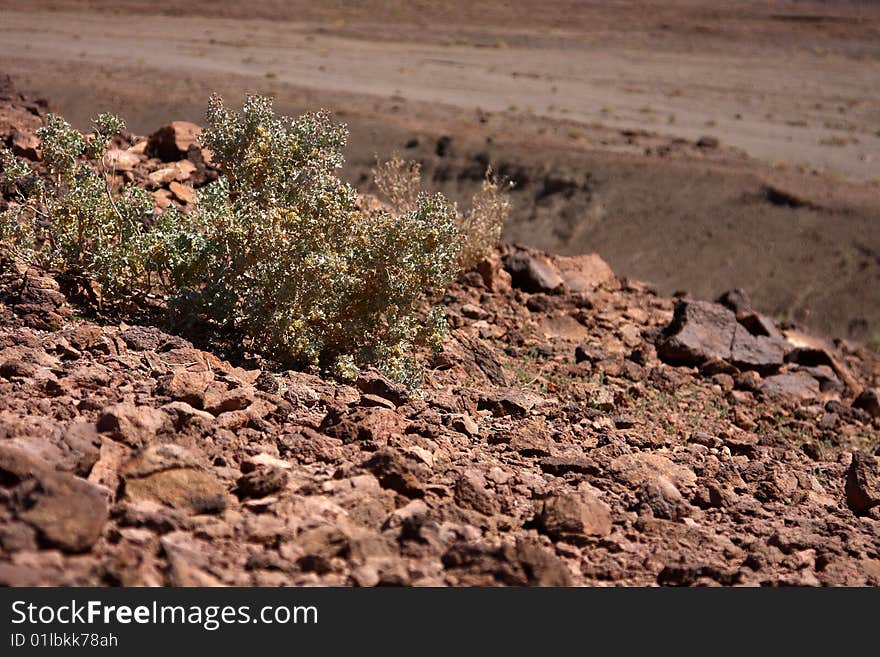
<point x="576" y="429"/>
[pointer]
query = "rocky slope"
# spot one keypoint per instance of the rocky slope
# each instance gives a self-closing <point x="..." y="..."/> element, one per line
<point x="576" y="429"/>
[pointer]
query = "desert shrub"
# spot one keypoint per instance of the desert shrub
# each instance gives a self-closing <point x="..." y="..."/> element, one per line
<point x="277" y="256"/>
<point x="73" y="217"/>
<point x="479" y="228"/>
<point x="283" y="252"/>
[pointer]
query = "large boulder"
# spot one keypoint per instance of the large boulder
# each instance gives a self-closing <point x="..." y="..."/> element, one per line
<point x="699" y="331"/>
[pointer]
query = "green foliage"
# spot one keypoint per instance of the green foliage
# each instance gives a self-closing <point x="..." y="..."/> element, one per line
<point x="277" y="255"/>
<point x="70" y="219"/>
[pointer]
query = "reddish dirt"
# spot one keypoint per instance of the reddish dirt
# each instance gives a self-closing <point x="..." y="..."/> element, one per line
<point x="577" y="428"/>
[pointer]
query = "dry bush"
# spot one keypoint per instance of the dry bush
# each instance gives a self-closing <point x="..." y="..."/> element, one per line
<point x="479" y="228"/>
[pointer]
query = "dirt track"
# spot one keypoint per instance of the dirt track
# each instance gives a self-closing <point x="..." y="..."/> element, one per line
<point x="804" y="106"/>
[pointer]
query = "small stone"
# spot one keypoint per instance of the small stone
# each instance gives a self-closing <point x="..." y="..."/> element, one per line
<point x="183" y="193"/>
<point x="184" y="416"/>
<point x="162" y="176"/>
<point x="663" y="498"/>
<point x="464" y="424"/>
<point x="15" y="368"/>
<point x="512" y="401"/>
<point x="262" y="482"/>
<point x="562" y="465"/>
<point x="171" y="142"/>
<point x="495" y="278"/>
<point x="471" y="493"/>
<point x="186" y="386"/>
<point x="19" y="462"/>
<point x="708" y="143"/>
<point x="736" y="300"/>
<point x="862" y="483"/>
<point x="219" y="401"/>
<point x="25" y="144"/>
<point x="67" y="511"/>
<point x="319" y="545"/>
<point x="530" y="440"/>
<point x="584" y="273"/>
<point x="869" y="401"/>
<point x="573" y="516"/>
<point x="533" y="273"/>
<point x="541" y="566"/>
<point x="376" y="400"/>
<point x="263" y="460"/>
<point x="373" y="383"/>
<point x="162" y="199"/>
<point x="644" y="467"/>
<point x="120" y="160"/>
<point x="136" y="426"/>
<point x="395" y="471"/>
<point x="472" y="311"/>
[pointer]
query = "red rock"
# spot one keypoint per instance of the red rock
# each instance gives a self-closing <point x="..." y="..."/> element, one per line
<point x="584" y="273"/>
<point x="218" y="400"/>
<point x="533" y="273"/>
<point x="471" y="493"/>
<point x="397" y="472"/>
<point x="374" y="383"/>
<point x="862" y="483"/>
<point x="67" y="511"/>
<point x="869" y="401"/>
<point x="699" y="331"/>
<point x="171" y="142"/>
<point x="170" y="475"/>
<point x="573" y="516"/>
<point x="789" y="386"/>
<point x="25" y="144"/>
<point x="119" y="160"/>
<point x="186" y="386"/>
<point x="183" y="193"/>
<point x="136" y="426"/>
<point x="262" y="481"/>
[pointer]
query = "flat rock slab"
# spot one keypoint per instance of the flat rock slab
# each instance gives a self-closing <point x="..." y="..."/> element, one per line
<point x="170" y="475"/>
<point x="792" y="386"/>
<point x="646" y="467"/>
<point x="584" y="273"/>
